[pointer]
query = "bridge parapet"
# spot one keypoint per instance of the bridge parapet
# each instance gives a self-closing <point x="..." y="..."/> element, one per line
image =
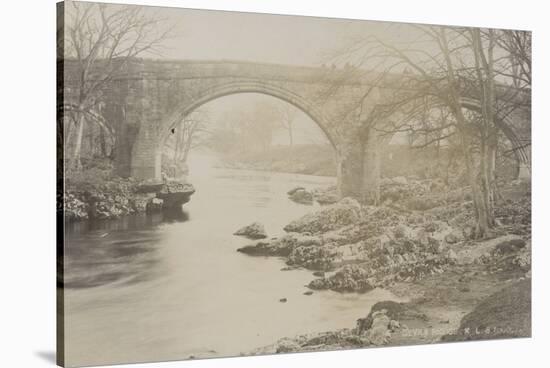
<point x="152" y="96"/>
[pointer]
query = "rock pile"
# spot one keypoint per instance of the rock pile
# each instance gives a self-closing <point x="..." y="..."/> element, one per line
<point x="345" y="212"/>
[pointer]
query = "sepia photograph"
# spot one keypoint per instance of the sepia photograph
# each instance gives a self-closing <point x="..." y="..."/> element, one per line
<point x="240" y="184"/>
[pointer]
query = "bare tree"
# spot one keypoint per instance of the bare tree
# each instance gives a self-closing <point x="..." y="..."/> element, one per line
<point x="287" y="115"/>
<point x="187" y="135"/>
<point x="443" y="74"/>
<point x="456" y="62"/>
<point x="102" y="40"/>
<point x="518" y="47"/>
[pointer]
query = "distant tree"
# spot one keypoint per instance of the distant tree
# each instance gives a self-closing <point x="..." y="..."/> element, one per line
<point x="253" y="129"/>
<point x="287" y="114"/>
<point x="187" y="135"/>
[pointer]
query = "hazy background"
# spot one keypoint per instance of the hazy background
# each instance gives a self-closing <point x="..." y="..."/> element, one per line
<point x="37" y="63"/>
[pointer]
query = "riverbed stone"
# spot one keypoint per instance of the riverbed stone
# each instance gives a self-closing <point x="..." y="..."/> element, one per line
<point x="174" y="194"/>
<point x="294" y="190"/>
<point x="253" y="231"/>
<point x="301" y="195"/>
<point x="281" y="246"/>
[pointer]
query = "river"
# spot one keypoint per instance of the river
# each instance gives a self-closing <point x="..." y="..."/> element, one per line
<point x="168" y="287"/>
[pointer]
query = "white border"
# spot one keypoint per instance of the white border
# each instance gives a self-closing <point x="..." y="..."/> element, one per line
<point x="27" y="151"/>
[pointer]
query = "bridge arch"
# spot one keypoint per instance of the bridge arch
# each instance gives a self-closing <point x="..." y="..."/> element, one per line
<point x="505" y="124"/>
<point x="233" y="88"/>
<point x="150" y="167"/>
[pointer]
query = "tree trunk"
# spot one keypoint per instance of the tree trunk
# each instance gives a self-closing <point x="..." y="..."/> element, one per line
<point x="102" y="142"/>
<point x="68" y="136"/>
<point x="75" y="157"/>
<point x="483" y="215"/>
<point x="370" y="186"/>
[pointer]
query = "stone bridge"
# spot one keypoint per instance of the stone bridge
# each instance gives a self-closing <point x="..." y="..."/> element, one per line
<point x="153" y="96"/>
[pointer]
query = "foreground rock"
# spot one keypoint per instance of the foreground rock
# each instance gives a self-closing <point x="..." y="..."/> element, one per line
<point x="345" y="212"/>
<point x="376" y="329"/>
<point x="252" y="231"/>
<point x="504" y="314"/>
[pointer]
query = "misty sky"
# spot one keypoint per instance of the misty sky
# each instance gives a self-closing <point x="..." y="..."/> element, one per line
<point x="214" y="35"/>
<point x="203" y="34"/>
<point x="296" y="40"/>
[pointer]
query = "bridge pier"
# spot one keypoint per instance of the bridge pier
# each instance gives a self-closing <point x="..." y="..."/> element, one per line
<point x="147" y="167"/>
<point x="125" y="138"/>
<point x="146" y="156"/>
<point x="358" y="169"/>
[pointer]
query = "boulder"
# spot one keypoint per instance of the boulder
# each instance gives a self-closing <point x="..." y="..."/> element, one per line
<point x="510" y="246"/>
<point x="326" y="196"/>
<point x="252" y="231"/>
<point x="379" y="333"/>
<point x="174" y="194"/>
<point x="149" y="187"/>
<point x="294" y="190"/>
<point x="393" y="310"/>
<point x="504" y="314"/>
<point x="281" y="247"/>
<point x="266" y="248"/>
<point x="345" y="212"/>
<point x="300" y="195"/>
<point x="154" y="205"/>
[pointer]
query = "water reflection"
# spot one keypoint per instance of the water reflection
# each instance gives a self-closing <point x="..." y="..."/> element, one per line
<point x="122" y="251"/>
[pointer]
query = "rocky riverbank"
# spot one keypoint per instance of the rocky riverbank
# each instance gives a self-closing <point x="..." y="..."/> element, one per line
<point x="419" y="245"/>
<point x="115" y="197"/>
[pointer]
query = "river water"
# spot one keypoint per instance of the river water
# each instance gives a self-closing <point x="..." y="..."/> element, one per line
<point x="167" y="287"/>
